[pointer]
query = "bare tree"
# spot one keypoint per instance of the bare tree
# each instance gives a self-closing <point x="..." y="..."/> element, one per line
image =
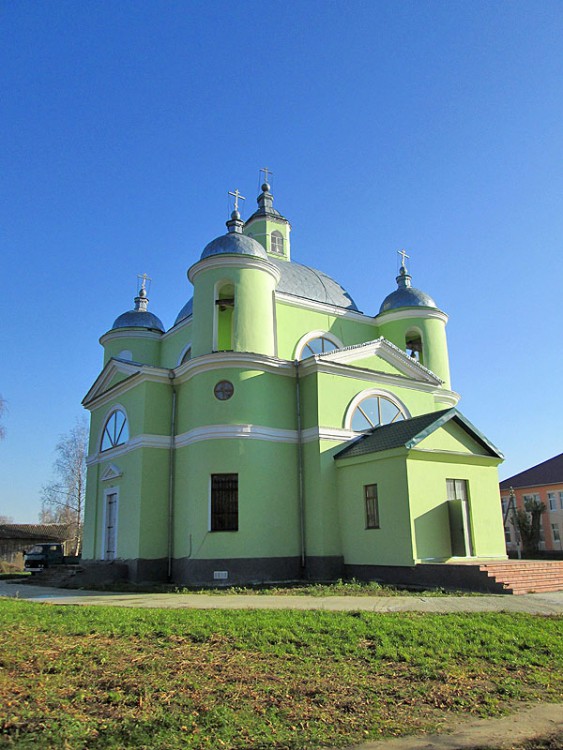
<point x="6" y="519"/>
<point x="63" y="498"/>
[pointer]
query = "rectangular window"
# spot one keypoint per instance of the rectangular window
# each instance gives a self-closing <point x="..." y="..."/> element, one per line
<point x="224" y="502"/>
<point x="504" y="502"/>
<point x="535" y="498"/>
<point x="372" y="507"/>
<point x="555" y="532"/>
<point x="507" y="536"/>
<point x="552" y="499"/>
<point x="561" y="500"/>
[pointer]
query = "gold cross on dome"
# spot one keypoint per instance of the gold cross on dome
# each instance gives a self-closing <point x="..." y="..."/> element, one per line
<point x="403" y="255"/>
<point x="237" y="196"/>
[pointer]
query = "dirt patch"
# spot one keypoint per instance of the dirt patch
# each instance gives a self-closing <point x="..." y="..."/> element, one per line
<point x="531" y="728"/>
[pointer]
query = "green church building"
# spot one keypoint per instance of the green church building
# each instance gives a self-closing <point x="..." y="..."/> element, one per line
<point x="277" y="433"/>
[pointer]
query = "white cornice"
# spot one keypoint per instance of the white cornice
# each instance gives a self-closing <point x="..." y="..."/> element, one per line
<point x="99" y="393"/>
<point x="410" y="312"/>
<point x="307" y="304"/>
<point x="233" y="261"/>
<point x="220" y="432"/>
<point x="140" y="441"/>
<point x="178" y="326"/>
<point x="239" y="360"/>
<point x="312" y="434"/>
<point x="386" y="351"/>
<point x="130" y="333"/>
<point x="235" y="431"/>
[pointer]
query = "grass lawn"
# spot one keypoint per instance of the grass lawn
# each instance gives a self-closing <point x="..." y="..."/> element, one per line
<point x="93" y="677"/>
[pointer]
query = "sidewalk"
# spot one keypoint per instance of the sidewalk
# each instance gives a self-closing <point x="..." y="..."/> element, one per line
<point x="535" y="604"/>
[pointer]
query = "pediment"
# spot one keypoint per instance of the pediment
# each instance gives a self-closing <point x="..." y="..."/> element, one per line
<point x="381" y="355"/>
<point x="112" y="471"/>
<point x="115" y="371"/>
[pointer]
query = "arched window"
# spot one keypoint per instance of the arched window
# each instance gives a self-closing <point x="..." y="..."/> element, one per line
<point x="116" y="430"/>
<point x="413" y="345"/>
<point x="375" y="410"/>
<point x="276" y="243"/>
<point x="318" y="343"/>
<point x="186" y="355"/>
<point x="224" y="308"/>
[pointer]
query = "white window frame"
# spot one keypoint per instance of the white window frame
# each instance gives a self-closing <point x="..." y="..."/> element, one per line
<point x="183" y="353"/>
<point x="370" y="393"/>
<point x="552" y="500"/>
<point x="311" y="336"/>
<point x="279" y="236"/>
<point x="111" y="410"/>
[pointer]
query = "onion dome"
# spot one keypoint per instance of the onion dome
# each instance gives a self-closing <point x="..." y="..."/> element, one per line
<point x="406" y="295"/>
<point x="234" y="242"/>
<point x="139" y="317"/>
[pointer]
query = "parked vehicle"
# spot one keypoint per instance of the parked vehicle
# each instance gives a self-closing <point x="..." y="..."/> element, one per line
<point x="47" y="555"/>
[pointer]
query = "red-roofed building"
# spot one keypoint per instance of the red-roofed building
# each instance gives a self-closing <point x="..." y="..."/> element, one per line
<point x="543" y="482"/>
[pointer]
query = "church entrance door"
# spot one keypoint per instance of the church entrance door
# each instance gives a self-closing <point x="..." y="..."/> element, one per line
<point x="110" y="536"/>
<point x="460" y="521"/>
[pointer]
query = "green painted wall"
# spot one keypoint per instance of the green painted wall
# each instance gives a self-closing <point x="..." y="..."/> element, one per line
<point x="268" y="505"/>
<point x="452" y="437"/>
<point x="392" y="543"/>
<point x="144" y="347"/>
<point x="293" y="323"/>
<point x="259" y="399"/>
<point x="427" y="474"/>
<point x="261" y="230"/>
<point x="253" y="316"/>
<point x="434" y="342"/>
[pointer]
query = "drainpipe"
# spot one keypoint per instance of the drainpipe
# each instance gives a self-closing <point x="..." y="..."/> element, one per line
<point x="171" y="472"/>
<point x="301" y="494"/>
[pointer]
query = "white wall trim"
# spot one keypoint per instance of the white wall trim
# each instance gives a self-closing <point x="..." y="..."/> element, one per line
<point x="410" y="313"/>
<point x="233" y="261"/>
<point x="224" y="432"/>
<point x="326" y="309"/>
<point x="235" y="431"/>
<point x="129" y="333"/>
<point x="140" y="441"/>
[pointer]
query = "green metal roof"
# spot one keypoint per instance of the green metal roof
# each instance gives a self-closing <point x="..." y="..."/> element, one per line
<point x="409" y="432"/>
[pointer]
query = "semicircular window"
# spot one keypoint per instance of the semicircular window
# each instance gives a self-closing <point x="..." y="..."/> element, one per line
<point x="374" y="411"/>
<point x="116" y="431"/>
<point x="320" y="345"/>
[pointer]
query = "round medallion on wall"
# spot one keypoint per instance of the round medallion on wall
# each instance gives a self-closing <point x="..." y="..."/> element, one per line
<point x="224" y="390"/>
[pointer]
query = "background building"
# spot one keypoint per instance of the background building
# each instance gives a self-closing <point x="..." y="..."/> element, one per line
<point x="543" y="482"/>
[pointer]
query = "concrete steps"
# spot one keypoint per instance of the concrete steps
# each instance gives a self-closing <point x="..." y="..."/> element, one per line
<point x="526" y="576"/>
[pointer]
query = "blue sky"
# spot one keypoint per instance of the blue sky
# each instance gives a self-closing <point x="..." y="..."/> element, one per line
<point x="433" y="126"/>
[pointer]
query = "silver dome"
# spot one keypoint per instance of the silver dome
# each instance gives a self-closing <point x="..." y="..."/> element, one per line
<point x="234" y="243"/>
<point x="299" y="281"/>
<point x="406" y="295"/>
<point x="138" y="319"/>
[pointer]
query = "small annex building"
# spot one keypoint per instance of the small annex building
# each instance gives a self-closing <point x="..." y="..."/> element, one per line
<point x="275" y="432"/>
<point x="16" y="538"/>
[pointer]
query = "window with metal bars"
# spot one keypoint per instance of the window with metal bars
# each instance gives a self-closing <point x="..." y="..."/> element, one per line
<point x="224" y="502"/>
